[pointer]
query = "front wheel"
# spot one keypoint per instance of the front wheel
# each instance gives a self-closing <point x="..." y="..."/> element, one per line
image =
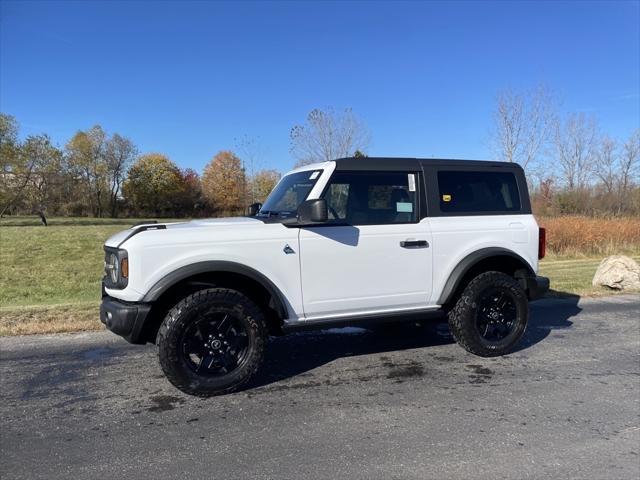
<point x="490" y="316"/>
<point x="212" y="342"/>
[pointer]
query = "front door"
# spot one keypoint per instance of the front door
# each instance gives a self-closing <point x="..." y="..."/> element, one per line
<point x="374" y="255"/>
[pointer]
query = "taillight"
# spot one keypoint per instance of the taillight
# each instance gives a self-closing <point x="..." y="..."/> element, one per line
<point x="542" y="243"/>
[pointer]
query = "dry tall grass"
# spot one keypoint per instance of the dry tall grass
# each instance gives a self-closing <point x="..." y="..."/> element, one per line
<point x="576" y="236"/>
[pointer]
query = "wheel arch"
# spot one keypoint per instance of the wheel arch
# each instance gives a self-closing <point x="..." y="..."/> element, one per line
<point x="183" y="281"/>
<point x="485" y="259"/>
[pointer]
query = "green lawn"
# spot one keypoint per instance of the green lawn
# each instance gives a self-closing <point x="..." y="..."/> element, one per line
<point x="58" y="264"/>
<point x="50" y="277"/>
<point x="53" y="265"/>
<point x="32" y="221"/>
<point x="574" y="275"/>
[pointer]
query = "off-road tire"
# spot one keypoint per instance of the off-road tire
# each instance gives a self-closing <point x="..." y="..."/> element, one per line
<point x="187" y="311"/>
<point x="462" y="316"/>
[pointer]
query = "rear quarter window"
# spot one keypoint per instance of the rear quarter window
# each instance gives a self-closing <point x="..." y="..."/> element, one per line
<point x="473" y="192"/>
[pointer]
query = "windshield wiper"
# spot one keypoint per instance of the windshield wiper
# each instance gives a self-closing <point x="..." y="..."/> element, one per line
<point x="268" y="213"/>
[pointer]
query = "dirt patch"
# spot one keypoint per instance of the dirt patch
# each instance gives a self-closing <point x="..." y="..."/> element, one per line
<point x="406" y="371"/>
<point x="164" y="403"/>
<point x="480" y="370"/>
<point x="45" y="319"/>
<point x="482" y="374"/>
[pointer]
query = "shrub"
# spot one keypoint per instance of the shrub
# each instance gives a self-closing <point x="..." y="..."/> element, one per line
<point x="583" y="236"/>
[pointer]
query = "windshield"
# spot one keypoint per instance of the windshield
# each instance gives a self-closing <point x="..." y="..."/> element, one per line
<point x="290" y="192"/>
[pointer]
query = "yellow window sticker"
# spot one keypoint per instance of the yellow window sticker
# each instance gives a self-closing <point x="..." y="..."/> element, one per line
<point x="446" y="198"/>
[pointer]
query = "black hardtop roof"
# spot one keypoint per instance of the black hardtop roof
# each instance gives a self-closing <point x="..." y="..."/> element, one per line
<point x="391" y="163"/>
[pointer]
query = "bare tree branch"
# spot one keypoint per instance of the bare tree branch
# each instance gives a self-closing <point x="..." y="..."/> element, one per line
<point x="606" y="163"/>
<point x="523" y="124"/>
<point x="327" y="135"/>
<point x="575" y="142"/>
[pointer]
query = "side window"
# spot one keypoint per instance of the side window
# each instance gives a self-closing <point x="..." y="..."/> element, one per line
<point x="463" y="191"/>
<point x="364" y="198"/>
<point x="337" y="196"/>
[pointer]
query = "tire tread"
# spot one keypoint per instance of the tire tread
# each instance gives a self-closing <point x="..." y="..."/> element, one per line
<point x="203" y="297"/>
<point x="461" y="323"/>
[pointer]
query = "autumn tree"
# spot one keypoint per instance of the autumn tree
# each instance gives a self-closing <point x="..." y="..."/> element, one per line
<point x="224" y="183"/>
<point x="11" y="162"/>
<point x="31" y="177"/>
<point x="154" y="185"/>
<point x="327" y="135"/>
<point x="262" y="183"/>
<point x="86" y="153"/>
<point x="9" y="144"/>
<point x="47" y="166"/>
<point x="119" y="154"/>
<point x="191" y="201"/>
<point x="27" y="168"/>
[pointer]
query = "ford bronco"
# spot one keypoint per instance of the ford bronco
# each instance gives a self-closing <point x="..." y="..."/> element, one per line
<point x="339" y="242"/>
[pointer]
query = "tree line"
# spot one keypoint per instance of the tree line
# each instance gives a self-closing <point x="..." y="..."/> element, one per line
<point x="97" y="174"/>
<point x="572" y="166"/>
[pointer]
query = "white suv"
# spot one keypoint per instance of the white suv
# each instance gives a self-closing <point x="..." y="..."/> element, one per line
<point x="349" y="240"/>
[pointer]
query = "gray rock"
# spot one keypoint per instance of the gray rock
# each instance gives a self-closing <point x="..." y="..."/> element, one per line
<point x="618" y="272"/>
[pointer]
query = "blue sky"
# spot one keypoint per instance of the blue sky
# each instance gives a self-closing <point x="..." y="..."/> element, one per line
<point x="190" y="78"/>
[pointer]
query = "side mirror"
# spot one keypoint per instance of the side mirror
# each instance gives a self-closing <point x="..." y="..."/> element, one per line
<point x="253" y="209"/>
<point x="313" y="211"/>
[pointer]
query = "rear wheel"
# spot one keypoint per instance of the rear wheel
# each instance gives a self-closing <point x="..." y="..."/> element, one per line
<point x="490" y="316"/>
<point x="212" y="342"/>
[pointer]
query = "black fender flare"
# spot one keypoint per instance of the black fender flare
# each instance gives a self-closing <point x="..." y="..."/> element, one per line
<point x="216" y="266"/>
<point x="467" y="263"/>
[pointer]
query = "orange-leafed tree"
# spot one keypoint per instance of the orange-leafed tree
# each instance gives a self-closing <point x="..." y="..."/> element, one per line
<point x="262" y="183"/>
<point x="224" y="183"/>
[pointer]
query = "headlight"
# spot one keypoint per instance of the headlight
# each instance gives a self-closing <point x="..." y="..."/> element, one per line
<point x="116" y="268"/>
<point x="112" y="268"/>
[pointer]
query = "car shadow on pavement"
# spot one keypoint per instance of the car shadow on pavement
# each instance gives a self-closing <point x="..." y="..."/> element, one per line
<point x="298" y="353"/>
<point x="551" y="313"/>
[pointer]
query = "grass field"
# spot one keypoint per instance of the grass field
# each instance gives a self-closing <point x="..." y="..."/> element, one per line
<point x="50" y="277"/>
<point x="30" y="221"/>
<point x="574" y="275"/>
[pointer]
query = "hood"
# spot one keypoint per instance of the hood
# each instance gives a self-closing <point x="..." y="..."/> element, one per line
<point x="119" y="238"/>
<point x="207" y="222"/>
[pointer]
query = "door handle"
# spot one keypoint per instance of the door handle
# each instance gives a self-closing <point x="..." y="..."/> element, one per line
<point x="414" y="244"/>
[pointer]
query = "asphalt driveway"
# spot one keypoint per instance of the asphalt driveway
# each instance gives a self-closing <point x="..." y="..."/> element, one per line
<point x="396" y="403"/>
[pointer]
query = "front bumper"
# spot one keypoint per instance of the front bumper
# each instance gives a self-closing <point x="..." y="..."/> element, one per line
<point x="124" y="319"/>
<point x="536" y="286"/>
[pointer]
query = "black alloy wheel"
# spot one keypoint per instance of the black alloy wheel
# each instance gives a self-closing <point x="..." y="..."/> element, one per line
<point x="212" y="342"/>
<point x="496" y="314"/>
<point x="216" y="344"/>
<point x="490" y="315"/>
